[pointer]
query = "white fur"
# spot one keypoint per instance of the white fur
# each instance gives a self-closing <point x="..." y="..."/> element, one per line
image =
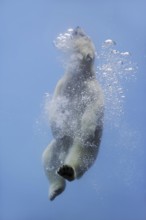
<point x="76" y="116"/>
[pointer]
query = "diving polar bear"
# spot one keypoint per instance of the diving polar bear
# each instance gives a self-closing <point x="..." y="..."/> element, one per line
<point x="76" y="117"/>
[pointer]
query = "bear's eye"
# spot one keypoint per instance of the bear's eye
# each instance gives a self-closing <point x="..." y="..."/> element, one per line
<point x="75" y="32"/>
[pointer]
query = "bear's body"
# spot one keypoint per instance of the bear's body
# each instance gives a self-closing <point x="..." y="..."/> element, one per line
<point x="76" y="118"/>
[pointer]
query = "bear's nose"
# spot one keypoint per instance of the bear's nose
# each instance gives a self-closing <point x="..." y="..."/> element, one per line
<point x="78" y="31"/>
<point x="89" y="58"/>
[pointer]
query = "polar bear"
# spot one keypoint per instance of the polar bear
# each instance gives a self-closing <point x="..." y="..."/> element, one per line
<point x="76" y="117"/>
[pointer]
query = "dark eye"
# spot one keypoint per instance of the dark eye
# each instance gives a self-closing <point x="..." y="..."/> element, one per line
<point x="75" y="32"/>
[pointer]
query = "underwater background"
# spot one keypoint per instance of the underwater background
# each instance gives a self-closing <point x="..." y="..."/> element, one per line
<point x="115" y="187"/>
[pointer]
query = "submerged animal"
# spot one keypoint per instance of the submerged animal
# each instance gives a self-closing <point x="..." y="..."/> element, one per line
<point x="76" y="118"/>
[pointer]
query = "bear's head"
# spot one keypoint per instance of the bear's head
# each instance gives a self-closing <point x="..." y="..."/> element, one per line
<point x="83" y="46"/>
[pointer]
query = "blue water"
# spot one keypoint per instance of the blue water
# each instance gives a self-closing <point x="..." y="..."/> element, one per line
<point x="114" y="188"/>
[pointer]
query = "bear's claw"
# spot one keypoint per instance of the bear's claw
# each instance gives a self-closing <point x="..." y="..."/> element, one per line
<point x="67" y="172"/>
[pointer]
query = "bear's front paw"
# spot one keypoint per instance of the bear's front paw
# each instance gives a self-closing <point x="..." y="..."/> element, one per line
<point x="67" y="172"/>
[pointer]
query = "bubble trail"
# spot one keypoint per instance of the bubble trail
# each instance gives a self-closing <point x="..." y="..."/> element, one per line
<point x="113" y="70"/>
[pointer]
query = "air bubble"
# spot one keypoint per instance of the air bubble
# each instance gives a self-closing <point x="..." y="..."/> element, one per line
<point x="109" y="42"/>
<point x="113" y="71"/>
<point x="115" y="51"/>
<point x="125" y="53"/>
<point x="62" y="42"/>
<point x="50" y="168"/>
<point x="129" y="69"/>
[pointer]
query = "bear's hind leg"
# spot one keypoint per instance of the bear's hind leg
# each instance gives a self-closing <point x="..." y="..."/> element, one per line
<point x="51" y="164"/>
